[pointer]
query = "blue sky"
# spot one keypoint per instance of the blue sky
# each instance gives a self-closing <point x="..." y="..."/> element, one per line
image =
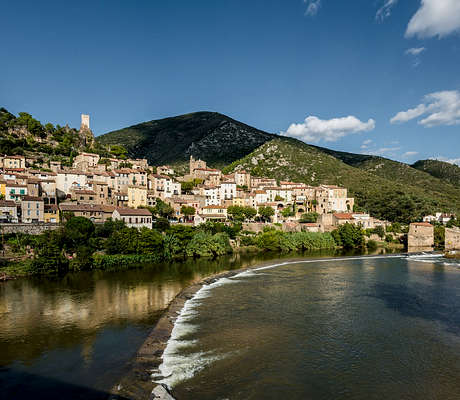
<point x="372" y="76"/>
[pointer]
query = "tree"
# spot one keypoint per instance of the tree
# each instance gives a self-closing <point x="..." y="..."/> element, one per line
<point x="349" y="236"/>
<point x="380" y="231"/>
<point x="162" y="209"/>
<point x="236" y="213"/>
<point x="266" y="213"/>
<point x="278" y="198"/>
<point x="249" y="213"/>
<point x="309" y="217"/>
<point x="77" y="232"/>
<point x="118" y="151"/>
<point x="187" y="211"/>
<point x="150" y="242"/>
<point x="288" y="212"/>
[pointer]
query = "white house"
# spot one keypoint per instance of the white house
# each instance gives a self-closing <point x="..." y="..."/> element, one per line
<point x="136" y="218"/>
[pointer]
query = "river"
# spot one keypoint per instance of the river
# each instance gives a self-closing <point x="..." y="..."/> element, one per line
<point x="354" y="328"/>
<point x="72" y="337"/>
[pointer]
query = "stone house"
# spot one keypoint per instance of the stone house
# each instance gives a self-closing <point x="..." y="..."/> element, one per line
<point x="165" y="170"/>
<point x="136" y="218"/>
<point x="243" y="178"/>
<point x="32" y="209"/>
<point x="94" y="212"/>
<point x="421" y="234"/>
<point x="14" y="162"/>
<point x="51" y="214"/>
<point x="8" y="211"/>
<point x="86" y="160"/>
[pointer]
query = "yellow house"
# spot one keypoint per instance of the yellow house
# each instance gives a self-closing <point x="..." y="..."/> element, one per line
<point x="137" y="196"/>
<point x="2" y="187"/>
<point x="14" y="162"/>
<point x="239" y="201"/>
<point x="51" y="214"/>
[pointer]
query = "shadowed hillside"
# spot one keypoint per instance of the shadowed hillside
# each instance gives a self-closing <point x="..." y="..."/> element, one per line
<point x="211" y="136"/>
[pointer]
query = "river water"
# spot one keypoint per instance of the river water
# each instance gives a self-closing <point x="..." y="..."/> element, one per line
<point x="72" y="337"/>
<point x="357" y="328"/>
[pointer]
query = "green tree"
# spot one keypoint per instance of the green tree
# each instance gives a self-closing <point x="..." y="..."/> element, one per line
<point x="349" y="236"/>
<point x="380" y="231"/>
<point x="118" y="151"/>
<point x="266" y="213"/>
<point x="187" y="211"/>
<point x="249" y="213"/>
<point x="309" y="217"/>
<point x="162" y="209"/>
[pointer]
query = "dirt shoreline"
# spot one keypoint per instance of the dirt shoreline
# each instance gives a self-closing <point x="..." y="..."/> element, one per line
<point x="137" y="384"/>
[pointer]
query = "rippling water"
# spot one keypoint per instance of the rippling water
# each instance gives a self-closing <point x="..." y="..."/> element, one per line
<point x="365" y="328"/>
<point x="72" y="337"/>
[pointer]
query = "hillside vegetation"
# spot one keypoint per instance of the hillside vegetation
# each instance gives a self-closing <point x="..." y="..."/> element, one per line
<point x="210" y="136"/>
<point x="440" y="169"/>
<point x="389" y="191"/>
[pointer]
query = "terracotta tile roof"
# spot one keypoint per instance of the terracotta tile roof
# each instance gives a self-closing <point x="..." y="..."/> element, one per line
<point x="344" y="216"/>
<point x="31" y="198"/>
<point x="7" y="203"/>
<point x="134" y="212"/>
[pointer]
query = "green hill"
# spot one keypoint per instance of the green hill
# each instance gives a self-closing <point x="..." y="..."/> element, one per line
<point x="440" y="169"/>
<point x="388" y="189"/>
<point x="378" y="189"/>
<point x="210" y="136"/>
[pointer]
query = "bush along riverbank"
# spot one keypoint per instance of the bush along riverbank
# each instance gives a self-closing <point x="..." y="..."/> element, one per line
<point x="80" y="245"/>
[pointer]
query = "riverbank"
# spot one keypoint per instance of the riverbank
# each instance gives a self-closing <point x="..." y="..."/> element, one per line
<point x="138" y="383"/>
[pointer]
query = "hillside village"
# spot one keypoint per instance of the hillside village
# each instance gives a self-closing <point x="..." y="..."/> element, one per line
<point x="120" y="188"/>
<point x="127" y="188"/>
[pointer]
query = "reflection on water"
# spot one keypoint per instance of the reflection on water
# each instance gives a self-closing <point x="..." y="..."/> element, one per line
<point x="72" y="337"/>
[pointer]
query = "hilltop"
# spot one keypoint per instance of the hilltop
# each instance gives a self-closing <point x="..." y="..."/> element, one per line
<point x="27" y="136"/>
<point x="440" y="169"/>
<point x="211" y="136"/>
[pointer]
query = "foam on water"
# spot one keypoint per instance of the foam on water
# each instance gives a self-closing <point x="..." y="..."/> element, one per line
<point x="175" y="367"/>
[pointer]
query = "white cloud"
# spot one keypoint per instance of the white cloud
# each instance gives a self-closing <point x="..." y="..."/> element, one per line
<point x="314" y="129"/>
<point x="384" y="151"/>
<point x="435" y="18"/>
<point x="385" y="11"/>
<point x="410" y="154"/>
<point x="313" y="7"/>
<point x="415" y="51"/>
<point x="442" y="108"/>
<point x="366" y="144"/>
<point x="455" y="161"/>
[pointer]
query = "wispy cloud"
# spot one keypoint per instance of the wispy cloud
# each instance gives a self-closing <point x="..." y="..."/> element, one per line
<point x="384" y="151"/>
<point x="435" y="18"/>
<point x="409" y="154"/>
<point x="385" y="10"/>
<point x="415" y="51"/>
<point x="312" y="7"/>
<point x="366" y="144"/>
<point x="441" y="108"/>
<point x="314" y="129"/>
<point x="455" y="161"/>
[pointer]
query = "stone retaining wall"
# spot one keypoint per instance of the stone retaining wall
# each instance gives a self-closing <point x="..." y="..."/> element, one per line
<point x="31" y="229"/>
